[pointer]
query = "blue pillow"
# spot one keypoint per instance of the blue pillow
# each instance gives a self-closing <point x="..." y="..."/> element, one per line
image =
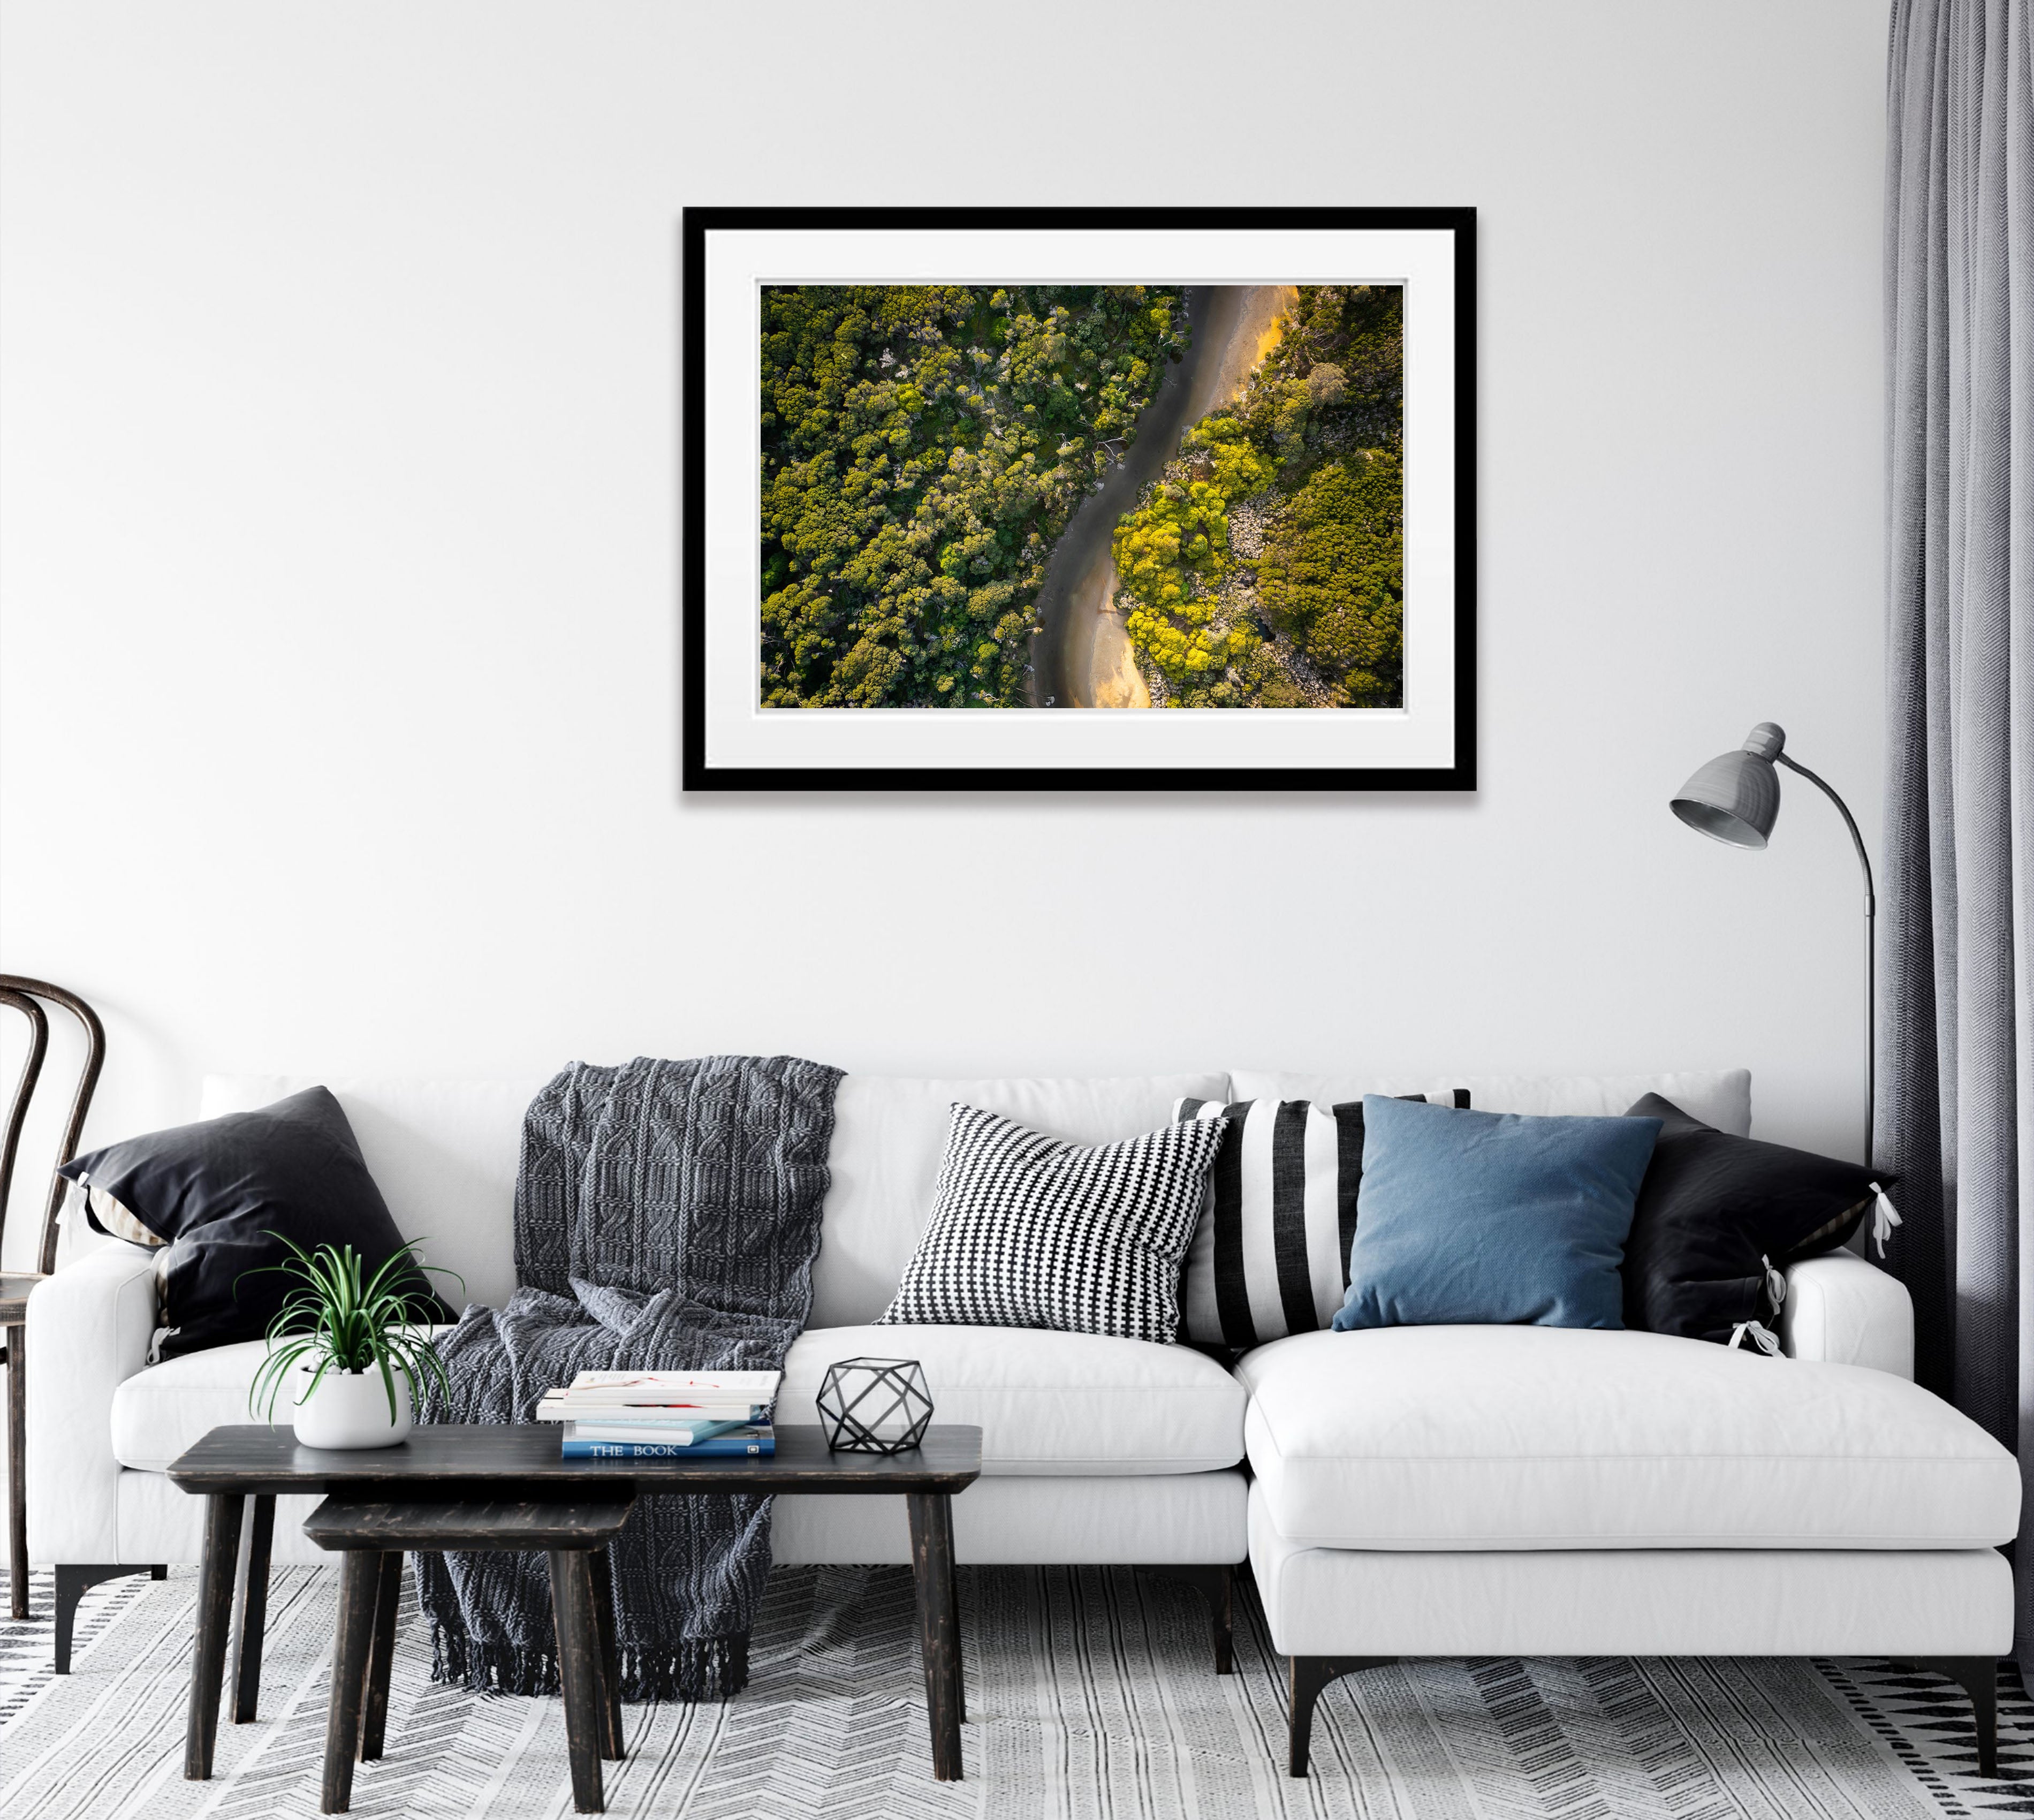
<point x="1479" y="1219"/>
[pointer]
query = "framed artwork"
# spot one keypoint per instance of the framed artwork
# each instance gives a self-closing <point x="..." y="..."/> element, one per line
<point x="1078" y="499"/>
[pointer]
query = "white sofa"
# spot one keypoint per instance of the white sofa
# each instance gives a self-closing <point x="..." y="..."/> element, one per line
<point x="1436" y="1491"/>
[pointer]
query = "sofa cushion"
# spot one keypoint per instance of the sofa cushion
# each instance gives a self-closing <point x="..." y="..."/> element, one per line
<point x="1575" y="1438"/>
<point x="1048" y="1404"/>
<point x="1052" y="1405"/>
<point x="1719" y="1097"/>
<point x="889" y="1132"/>
<point x="158" y="1412"/>
<point x="444" y="1154"/>
<point x="161" y="1411"/>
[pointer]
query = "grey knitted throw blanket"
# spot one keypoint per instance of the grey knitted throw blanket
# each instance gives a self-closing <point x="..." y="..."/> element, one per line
<point x="667" y="1214"/>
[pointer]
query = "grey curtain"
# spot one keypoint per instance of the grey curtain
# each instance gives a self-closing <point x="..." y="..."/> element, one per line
<point x="1955" y="1109"/>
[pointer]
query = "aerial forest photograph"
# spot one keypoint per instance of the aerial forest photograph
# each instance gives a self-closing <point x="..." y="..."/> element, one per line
<point x="1041" y="496"/>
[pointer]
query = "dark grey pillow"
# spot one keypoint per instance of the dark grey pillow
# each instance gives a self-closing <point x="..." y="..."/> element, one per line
<point x="220" y="1192"/>
<point x="1715" y="1212"/>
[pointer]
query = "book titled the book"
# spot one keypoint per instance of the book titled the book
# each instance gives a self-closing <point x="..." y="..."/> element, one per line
<point x="720" y="1447"/>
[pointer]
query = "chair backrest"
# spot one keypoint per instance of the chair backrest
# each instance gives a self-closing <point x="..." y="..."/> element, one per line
<point x="25" y="996"/>
<point x="24" y="1091"/>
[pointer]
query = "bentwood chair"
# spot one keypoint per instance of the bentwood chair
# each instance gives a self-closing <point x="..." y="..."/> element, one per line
<point x="25" y="996"/>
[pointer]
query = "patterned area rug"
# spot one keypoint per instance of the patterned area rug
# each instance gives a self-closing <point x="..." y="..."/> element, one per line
<point x="1090" y="1696"/>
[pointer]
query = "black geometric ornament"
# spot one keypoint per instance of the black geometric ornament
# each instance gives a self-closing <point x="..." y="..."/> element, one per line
<point x="875" y="1406"/>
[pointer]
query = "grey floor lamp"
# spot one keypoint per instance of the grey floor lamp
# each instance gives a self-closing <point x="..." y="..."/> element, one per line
<point x="1735" y="799"/>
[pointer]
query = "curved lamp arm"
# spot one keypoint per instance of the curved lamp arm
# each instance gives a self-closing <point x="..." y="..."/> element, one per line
<point x="1871" y="949"/>
<point x="1857" y="840"/>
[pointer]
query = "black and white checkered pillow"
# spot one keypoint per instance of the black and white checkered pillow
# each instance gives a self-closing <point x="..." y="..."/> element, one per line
<point x="1269" y="1255"/>
<point x="1030" y="1232"/>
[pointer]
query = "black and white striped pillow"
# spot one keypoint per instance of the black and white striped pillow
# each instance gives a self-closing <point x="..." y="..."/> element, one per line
<point x="1028" y="1231"/>
<point x="1269" y="1255"/>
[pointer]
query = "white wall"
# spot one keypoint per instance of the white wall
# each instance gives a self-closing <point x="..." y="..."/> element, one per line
<point x="337" y="552"/>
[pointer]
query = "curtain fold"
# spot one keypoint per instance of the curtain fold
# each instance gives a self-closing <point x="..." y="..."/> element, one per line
<point x="1956" y="1062"/>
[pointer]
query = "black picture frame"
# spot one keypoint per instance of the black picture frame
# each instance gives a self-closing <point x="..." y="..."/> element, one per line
<point x="696" y="773"/>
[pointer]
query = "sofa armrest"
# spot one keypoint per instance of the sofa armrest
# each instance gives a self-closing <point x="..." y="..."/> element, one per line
<point x="89" y="1326"/>
<point x="1842" y="1311"/>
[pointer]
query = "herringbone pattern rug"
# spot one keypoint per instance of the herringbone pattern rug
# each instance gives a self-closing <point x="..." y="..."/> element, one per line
<point x="1090" y="1697"/>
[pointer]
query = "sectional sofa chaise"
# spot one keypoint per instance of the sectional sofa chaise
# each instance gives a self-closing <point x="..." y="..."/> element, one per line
<point x="1400" y="1492"/>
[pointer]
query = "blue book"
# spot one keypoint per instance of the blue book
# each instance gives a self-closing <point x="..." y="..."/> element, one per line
<point x="722" y="1445"/>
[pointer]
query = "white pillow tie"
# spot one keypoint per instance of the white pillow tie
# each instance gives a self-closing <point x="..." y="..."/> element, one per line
<point x="1776" y="1284"/>
<point x="1885" y="1217"/>
<point x="1763" y="1338"/>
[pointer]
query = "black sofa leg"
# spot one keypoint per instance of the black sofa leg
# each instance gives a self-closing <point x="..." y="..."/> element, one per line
<point x="1308" y="1675"/>
<point x="72" y="1581"/>
<point x="1217" y="1585"/>
<point x="1978" y="1676"/>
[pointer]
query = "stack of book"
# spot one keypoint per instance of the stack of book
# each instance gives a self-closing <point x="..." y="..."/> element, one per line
<point x="664" y="1415"/>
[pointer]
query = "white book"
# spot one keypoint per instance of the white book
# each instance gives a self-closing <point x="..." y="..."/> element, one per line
<point x="557" y="1406"/>
<point x="629" y="1431"/>
<point x="676" y="1386"/>
<point x="653" y="1415"/>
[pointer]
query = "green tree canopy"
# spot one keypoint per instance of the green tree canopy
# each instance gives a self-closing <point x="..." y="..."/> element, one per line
<point x="1309" y="454"/>
<point x="923" y="447"/>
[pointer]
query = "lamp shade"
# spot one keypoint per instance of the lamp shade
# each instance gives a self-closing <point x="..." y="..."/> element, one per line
<point x="1735" y="798"/>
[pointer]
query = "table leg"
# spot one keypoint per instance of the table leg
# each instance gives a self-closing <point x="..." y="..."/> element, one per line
<point x="938" y="1626"/>
<point x="17" y="1469"/>
<point x="254" y="1613"/>
<point x="215" y="1618"/>
<point x="388" y="1598"/>
<point x="610" y="1654"/>
<point x="359" y="1574"/>
<point x="579" y="1669"/>
<point x="953" y="1605"/>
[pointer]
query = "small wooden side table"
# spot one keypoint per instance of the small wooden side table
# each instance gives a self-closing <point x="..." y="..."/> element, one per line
<point x="372" y="1538"/>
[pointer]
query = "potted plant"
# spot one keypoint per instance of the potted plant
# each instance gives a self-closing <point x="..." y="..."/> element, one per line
<point x="351" y="1352"/>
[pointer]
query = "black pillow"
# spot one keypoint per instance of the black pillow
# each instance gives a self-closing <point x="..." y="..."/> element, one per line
<point x="1716" y="1211"/>
<point x="220" y="1190"/>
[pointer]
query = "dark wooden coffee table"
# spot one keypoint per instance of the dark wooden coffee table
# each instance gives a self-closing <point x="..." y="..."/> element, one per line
<point x="451" y="1463"/>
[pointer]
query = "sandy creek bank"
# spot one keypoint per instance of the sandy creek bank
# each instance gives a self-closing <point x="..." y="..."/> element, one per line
<point x="1082" y="658"/>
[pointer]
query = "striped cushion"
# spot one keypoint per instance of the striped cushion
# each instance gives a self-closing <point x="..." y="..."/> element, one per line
<point x="1269" y="1255"/>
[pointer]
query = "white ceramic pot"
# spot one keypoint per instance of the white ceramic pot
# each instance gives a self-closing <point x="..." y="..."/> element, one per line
<point x="348" y="1409"/>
